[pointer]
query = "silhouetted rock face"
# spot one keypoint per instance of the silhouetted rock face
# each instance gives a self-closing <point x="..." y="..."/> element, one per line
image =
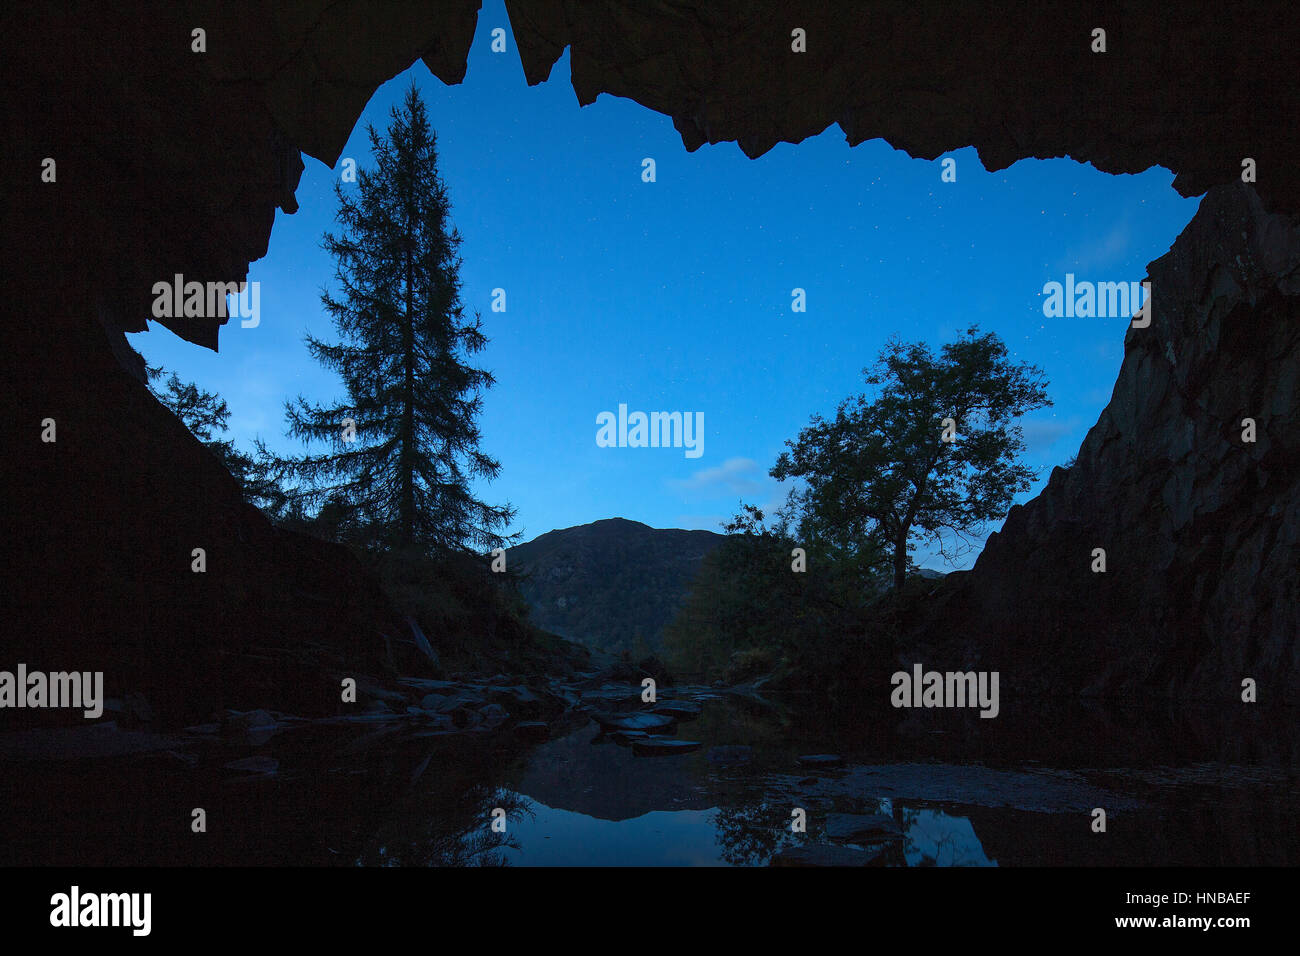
<point x="171" y="161"/>
<point x="102" y="525"/>
<point x="1195" y="92"/>
<point x="1201" y="530"/>
<point x="175" y="161"/>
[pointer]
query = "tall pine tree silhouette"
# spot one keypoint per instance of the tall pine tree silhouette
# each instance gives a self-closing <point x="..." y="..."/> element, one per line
<point x="404" y="446"/>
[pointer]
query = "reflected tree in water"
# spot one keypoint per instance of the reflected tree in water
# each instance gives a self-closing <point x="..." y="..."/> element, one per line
<point x="459" y="837"/>
<point x="750" y="835"/>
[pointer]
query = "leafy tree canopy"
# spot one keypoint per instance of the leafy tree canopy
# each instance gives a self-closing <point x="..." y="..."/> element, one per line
<point x="882" y="471"/>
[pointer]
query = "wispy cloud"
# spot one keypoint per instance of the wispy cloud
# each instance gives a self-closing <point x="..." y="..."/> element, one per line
<point x="1042" y="433"/>
<point x="257" y="400"/>
<point x="1100" y="253"/>
<point x="735" y="476"/>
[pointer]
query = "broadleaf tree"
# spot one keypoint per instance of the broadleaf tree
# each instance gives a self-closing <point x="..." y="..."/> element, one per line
<point x="403" y="446"/>
<point x="881" y="468"/>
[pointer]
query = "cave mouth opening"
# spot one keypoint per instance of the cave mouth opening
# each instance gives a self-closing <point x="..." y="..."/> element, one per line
<point x="613" y="268"/>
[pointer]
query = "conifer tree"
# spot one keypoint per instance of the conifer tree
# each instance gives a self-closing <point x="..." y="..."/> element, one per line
<point x="207" y="416"/>
<point x="404" y="443"/>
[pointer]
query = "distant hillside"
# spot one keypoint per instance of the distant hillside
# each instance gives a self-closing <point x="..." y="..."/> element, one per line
<point x="612" y="584"/>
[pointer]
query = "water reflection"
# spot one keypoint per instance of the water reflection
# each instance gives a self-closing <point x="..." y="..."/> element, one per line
<point x="584" y="799"/>
<point x="750" y="835"/>
<point x="456" y="836"/>
<point x="1178" y="789"/>
<point x="552" y="837"/>
<point x="933" y="838"/>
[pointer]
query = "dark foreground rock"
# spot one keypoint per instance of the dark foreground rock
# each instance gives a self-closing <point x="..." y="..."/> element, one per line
<point x="98" y="741"/>
<point x="651" y="746"/>
<point x="823" y="854"/>
<point x="678" y="709"/>
<point x="731" y="754"/>
<point x="533" y="730"/>
<point x="862" y="828"/>
<point x="255" y="764"/>
<point x="642" y="721"/>
<point x="821" y="760"/>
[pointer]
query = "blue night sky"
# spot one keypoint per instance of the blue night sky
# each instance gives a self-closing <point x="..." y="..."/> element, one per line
<point x="676" y="295"/>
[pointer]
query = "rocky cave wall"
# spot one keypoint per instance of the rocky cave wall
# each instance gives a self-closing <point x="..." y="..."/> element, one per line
<point x="171" y="161"/>
<point x="1200" y="527"/>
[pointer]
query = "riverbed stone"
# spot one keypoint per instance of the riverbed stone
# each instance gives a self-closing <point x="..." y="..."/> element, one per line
<point x="862" y="827"/>
<point x="656" y="746"/>
<point x="678" y="709"/>
<point x="731" y="754"/>
<point x="821" y="760"/>
<point x="638" y="721"/>
<point x="255" y="764"/>
<point x="825" y="854"/>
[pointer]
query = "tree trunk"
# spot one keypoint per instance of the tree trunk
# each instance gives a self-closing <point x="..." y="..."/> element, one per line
<point x="407" y="458"/>
<point x="900" y="561"/>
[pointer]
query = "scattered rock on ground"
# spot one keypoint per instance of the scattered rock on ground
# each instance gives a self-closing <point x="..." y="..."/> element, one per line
<point x="238" y="721"/>
<point x="731" y="754"/>
<point x="824" y="854"/>
<point x="258" y="764"/>
<point x="858" y="827"/>
<point x="451" y="705"/>
<point x="680" y="709"/>
<point x="528" y="702"/>
<point x="641" y="721"/>
<point x="627" y="736"/>
<point x="649" y="746"/>
<point x="821" y="760"/>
